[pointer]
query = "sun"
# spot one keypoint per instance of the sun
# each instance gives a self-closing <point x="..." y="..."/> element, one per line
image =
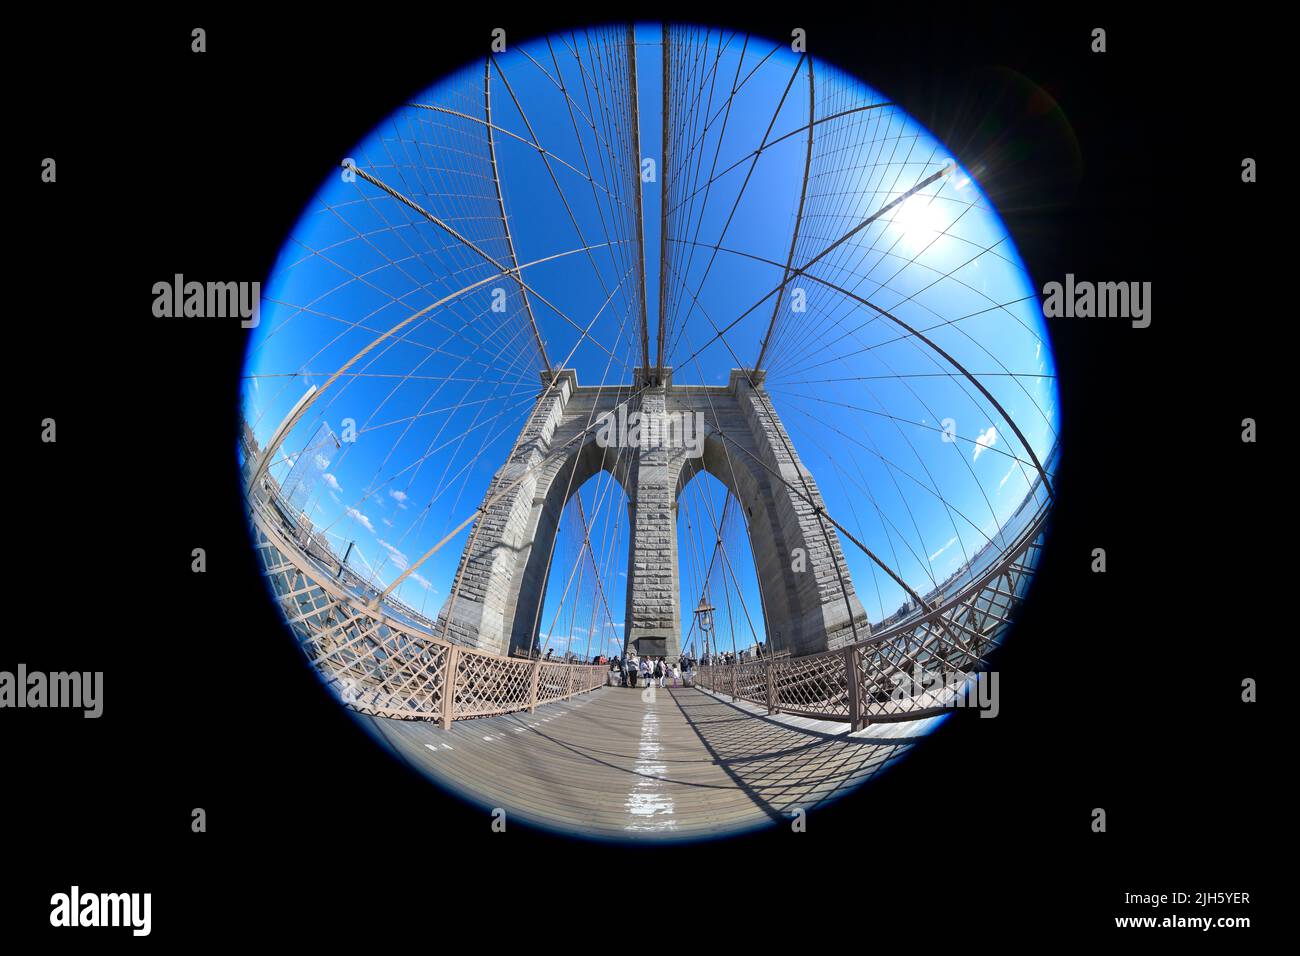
<point x="919" y="221"/>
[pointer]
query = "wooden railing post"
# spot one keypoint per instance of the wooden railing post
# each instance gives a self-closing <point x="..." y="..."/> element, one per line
<point x="532" y="687"/>
<point x="771" y="687"/>
<point x="449" y="686"/>
<point x="854" y="671"/>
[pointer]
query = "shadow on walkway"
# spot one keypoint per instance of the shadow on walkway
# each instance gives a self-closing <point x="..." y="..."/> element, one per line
<point x="779" y="767"/>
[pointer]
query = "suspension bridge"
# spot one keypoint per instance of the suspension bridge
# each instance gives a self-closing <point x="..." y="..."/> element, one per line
<point x="649" y="224"/>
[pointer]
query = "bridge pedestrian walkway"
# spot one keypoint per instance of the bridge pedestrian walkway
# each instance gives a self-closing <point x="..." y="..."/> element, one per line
<point x="623" y="763"/>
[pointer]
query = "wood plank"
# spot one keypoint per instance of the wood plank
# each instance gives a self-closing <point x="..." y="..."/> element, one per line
<point x="613" y="763"/>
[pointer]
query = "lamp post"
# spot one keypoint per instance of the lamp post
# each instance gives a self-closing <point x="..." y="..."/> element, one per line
<point x="704" y="621"/>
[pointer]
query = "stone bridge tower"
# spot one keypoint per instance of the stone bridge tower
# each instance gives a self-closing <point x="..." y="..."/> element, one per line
<point x="809" y="603"/>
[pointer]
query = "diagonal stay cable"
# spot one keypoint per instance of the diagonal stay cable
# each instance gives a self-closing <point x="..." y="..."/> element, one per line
<point x="503" y="270"/>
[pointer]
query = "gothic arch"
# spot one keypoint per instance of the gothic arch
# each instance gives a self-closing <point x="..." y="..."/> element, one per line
<point x="810" y="604"/>
<point x="560" y="481"/>
<point x="779" y="543"/>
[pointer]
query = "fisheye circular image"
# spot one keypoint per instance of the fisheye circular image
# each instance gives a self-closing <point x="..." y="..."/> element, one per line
<point x="649" y="432"/>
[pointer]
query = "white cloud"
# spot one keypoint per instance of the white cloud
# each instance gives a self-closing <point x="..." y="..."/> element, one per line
<point x="386" y="521"/>
<point x="987" y="440"/>
<point x="398" y="496"/>
<point x="421" y="581"/>
<point x="1006" y="476"/>
<point x="398" y="558"/>
<point x="361" y="519"/>
<point x="951" y="542"/>
<point x="331" y="481"/>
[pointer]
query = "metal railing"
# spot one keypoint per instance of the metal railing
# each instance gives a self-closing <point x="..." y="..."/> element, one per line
<point x="912" y="670"/>
<point x="384" y="667"/>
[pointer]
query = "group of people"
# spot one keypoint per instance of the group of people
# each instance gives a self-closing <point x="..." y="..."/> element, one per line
<point x="649" y="670"/>
<point x="681" y="668"/>
<point x="735" y="657"/>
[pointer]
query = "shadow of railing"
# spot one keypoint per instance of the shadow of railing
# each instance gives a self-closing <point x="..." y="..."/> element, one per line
<point x="779" y="767"/>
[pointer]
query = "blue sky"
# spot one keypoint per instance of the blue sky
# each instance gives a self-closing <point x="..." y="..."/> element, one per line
<point x="866" y="403"/>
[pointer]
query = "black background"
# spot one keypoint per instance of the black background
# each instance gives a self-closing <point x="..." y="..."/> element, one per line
<point x="1119" y="690"/>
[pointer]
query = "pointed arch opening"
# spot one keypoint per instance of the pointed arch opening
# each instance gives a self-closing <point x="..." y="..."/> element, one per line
<point x="721" y="593"/>
<point x="568" y="603"/>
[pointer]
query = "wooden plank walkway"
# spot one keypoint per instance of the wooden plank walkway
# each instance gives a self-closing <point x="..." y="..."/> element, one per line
<point x="613" y="763"/>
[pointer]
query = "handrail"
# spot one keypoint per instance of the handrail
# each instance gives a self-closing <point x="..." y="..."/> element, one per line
<point x="382" y="666"/>
<point x="869" y="681"/>
<point x="391" y="600"/>
<point x="1017" y="548"/>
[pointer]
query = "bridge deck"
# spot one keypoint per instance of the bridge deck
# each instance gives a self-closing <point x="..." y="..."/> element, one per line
<point x="614" y="764"/>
